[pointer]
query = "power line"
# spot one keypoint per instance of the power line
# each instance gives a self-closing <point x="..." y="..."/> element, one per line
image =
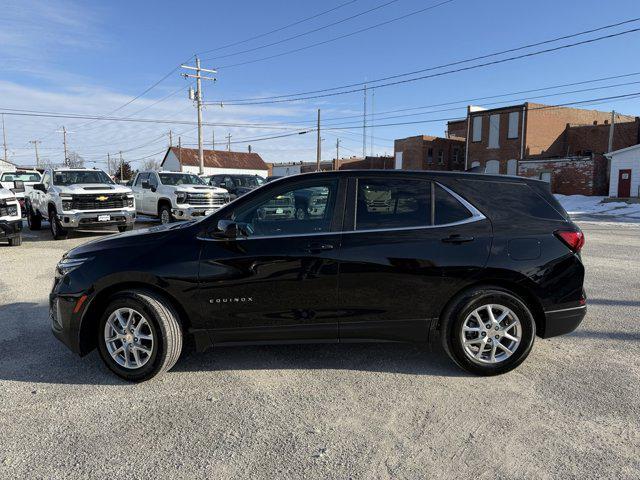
<point x="309" y="32"/>
<point x="298" y="22"/>
<point x="437" y="67"/>
<point x="340" y="37"/>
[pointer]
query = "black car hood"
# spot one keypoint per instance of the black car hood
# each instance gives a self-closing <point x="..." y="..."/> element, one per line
<point x="137" y="237"/>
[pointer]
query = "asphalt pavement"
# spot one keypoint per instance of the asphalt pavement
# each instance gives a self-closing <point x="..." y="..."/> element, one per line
<point x="360" y="411"/>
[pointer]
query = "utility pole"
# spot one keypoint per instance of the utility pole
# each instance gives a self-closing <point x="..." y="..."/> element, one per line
<point x="35" y="144"/>
<point x="337" y="148"/>
<point x="611" y="127"/>
<point x="364" y="125"/>
<point x="198" y="98"/>
<point x="213" y="139"/>
<point x="170" y="139"/>
<point x="64" y="142"/>
<point x="229" y="142"/>
<point x="109" y="163"/>
<point x="373" y="101"/>
<point x="4" y="140"/>
<point x="121" y="169"/>
<point x="180" y="151"/>
<point x="318" y="150"/>
<point x="249" y="148"/>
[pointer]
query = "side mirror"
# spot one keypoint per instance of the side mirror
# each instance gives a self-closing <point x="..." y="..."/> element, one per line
<point x="40" y="187"/>
<point x="18" y="186"/>
<point x="145" y="184"/>
<point x="231" y="229"/>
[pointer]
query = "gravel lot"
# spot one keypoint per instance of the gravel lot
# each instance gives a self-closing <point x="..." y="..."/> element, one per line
<point x="363" y="411"/>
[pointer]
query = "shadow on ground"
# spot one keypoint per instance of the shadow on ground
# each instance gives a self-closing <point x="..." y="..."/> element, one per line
<point x="32" y="354"/>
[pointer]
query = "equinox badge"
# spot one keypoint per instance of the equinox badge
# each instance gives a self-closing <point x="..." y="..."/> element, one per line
<point x="231" y="300"/>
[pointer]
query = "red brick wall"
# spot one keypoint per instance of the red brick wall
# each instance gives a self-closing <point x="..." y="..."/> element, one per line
<point x="457" y="128"/>
<point x="415" y="153"/>
<point x="383" y="163"/>
<point x="586" y="139"/>
<point x="568" y="177"/>
<point x="509" y="147"/>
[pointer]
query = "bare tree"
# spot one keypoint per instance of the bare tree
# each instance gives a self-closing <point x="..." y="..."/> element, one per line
<point x="150" y="165"/>
<point x="74" y="160"/>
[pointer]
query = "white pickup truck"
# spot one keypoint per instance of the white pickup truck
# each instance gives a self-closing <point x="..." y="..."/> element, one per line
<point x="10" y="218"/>
<point x="75" y="198"/>
<point x="20" y="183"/>
<point x="176" y="196"/>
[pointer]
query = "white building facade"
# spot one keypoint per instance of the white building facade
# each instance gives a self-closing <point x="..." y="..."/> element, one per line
<point x="215" y="162"/>
<point x="624" y="178"/>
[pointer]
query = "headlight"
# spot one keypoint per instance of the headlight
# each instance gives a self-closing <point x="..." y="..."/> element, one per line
<point x="181" y="197"/>
<point x="67" y="202"/>
<point x="66" y="265"/>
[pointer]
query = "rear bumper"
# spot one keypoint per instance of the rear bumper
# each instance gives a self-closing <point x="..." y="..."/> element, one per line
<point x="10" y="228"/>
<point x="566" y="320"/>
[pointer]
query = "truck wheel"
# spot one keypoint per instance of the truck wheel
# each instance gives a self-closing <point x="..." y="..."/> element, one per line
<point x="165" y="214"/>
<point x="125" y="228"/>
<point x="488" y="330"/>
<point x="139" y="335"/>
<point x="15" y="241"/>
<point x="57" y="231"/>
<point x="34" y="220"/>
<point x="301" y="213"/>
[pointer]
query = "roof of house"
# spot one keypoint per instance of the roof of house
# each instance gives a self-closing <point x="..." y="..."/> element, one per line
<point x="218" y="159"/>
<point x="622" y="150"/>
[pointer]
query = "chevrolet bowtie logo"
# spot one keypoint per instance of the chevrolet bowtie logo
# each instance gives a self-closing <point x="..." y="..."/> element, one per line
<point x="102" y="198"/>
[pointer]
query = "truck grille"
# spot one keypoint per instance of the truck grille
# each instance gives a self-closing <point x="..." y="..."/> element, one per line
<point x="206" y="199"/>
<point x="8" y="210"/>
<point x="99" y="202"/>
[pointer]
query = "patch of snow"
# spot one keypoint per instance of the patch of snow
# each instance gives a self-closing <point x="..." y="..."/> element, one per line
<point x="583" y="207"/>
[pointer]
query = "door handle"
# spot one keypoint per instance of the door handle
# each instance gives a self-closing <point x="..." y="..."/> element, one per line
<point x="318" y="247"/>
<point x="456" y="238"/>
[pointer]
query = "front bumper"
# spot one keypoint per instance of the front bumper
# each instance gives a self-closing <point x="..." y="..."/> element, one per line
<point x="64" y="322"/>
<point x="92" y="219"/>
<point x="193" y="213"/>
<point x="566" y="320"/>
<point x="10" y="228"/>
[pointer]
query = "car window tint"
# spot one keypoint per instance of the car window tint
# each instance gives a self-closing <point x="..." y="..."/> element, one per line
<point x="141" y="178"/>
<point x="303" y="210"/>
<point x="153" y="180"/>
<point x="448" y="208"/>
<point x="383" y="203"/>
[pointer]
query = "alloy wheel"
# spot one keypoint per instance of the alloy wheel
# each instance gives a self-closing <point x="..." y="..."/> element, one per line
<point x="165" y="216"/>
<point x="491" y="334"/>
<point x="129" y="338"/>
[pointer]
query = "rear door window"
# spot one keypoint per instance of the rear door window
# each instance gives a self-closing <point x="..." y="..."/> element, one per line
<point x="392" y="203"/>
<point x="448" y="209"/>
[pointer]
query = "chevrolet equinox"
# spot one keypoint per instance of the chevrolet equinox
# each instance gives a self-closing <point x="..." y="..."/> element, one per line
<point x="479" y="263"/>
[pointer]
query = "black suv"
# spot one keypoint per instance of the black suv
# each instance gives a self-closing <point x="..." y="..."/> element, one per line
<point x="479" y="263"/>
<point x="236" y="185"/>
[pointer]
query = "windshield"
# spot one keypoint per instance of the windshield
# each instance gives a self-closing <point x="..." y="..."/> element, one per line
<point x="72" y="177"/>
<point x="248" y="181"/>
<point x="180" y="179"/>
<point x="21" y="176"/>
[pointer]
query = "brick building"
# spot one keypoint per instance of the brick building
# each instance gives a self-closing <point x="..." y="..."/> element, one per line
<point x="425" y="152"/>
<point x="457" y="129"/>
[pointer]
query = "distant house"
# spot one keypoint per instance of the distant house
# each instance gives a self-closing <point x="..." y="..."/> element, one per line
<point x="215" y="161"/>
<point x="625" y="172"/>
<point x="6" y="166"/>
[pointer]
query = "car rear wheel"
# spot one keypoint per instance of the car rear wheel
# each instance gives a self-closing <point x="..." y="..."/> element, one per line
<point x="488" y="331"/>
<point x="139" y="335"/>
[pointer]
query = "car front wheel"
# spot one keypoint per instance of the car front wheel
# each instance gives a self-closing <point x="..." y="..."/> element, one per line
<point x="139" y="335"/>
<point x="488" y="331"/>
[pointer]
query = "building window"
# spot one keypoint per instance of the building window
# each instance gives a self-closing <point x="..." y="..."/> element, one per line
<point x="475" y="164"/>
<point x="494" y="131"/>
<point x="477" y="128"/>
<point x="492" y="167"/>
<point x="430" y="155"/>
<point x="456" y="154"/>
<point x="545" y="177"/>
<point x="512" y="167"/>
<point x="513" y="124"/>
<point x="440" y="157"/>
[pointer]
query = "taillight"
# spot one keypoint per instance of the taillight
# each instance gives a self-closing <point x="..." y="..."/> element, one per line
<point x="572" y="239"/>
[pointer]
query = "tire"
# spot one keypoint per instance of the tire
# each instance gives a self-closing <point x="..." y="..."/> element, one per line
<point x="125" y="228"/>
<point x="57" y="231"/>
<point x="472" y="307"/>
<point x="164" y="212"/>
<point x="163" y="326"/>
<point x="15" y="241"/>
<point x="34" y="219"/>
<point x="301" y="213"/>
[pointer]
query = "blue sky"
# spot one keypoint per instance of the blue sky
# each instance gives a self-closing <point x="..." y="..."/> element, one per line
<point x="92" y="57"/>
